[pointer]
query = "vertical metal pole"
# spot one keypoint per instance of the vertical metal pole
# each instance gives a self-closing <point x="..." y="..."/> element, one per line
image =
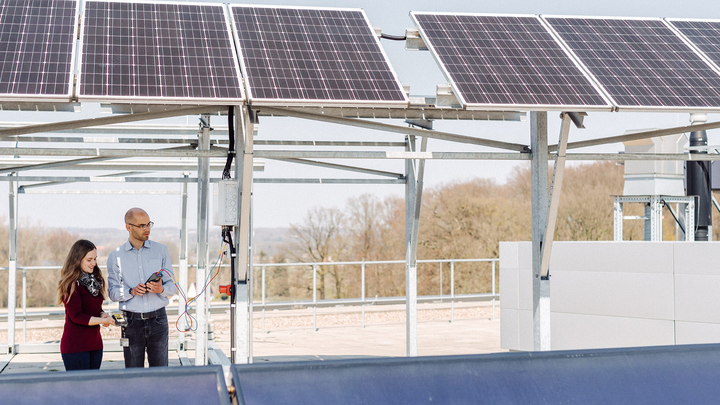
<point x="314" y="271"/>
<point x="362" y="291"/>
<point x="410" y="259"/>
<point x="452" y="291"/>
<point x="251" y="283"/>
<point x="243" y="173"/>
<point x="493" y="290"/>
<point x="202" y="248"/>
<point x="539" y="192"/>
<point x="12" y="258"/>
<point x="183" y="265"/>
<point x="24" y="303"/>
<point x="441" y="297"/>
<point x="263" y="299"/>
<point x="618" y="220"/>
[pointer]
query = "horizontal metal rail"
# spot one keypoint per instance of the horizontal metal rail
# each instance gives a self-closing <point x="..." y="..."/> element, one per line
<point x="264" y="304"/>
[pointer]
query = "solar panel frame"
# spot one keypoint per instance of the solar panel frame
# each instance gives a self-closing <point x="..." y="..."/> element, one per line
<point x="254" y="99"/>
<point x="65" y="97"/>
<point x="712" y="57"/>
<point x="143" y="99"/>
<point x="606" y="106"/>
<point x="701" y="61"/>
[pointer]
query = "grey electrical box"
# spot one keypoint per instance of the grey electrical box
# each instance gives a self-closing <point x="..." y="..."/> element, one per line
<point x="226" y="210"/>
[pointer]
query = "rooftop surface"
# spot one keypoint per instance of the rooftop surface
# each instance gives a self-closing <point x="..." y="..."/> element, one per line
<point x="289" y="335"/>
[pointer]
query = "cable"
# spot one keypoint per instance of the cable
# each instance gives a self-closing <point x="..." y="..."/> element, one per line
<point x="231" y="146"/>
<point x="393" y="37"/>
<point x="190" y="320"/>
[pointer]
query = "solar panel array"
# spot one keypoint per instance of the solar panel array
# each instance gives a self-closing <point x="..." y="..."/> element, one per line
<point x="506" y="61"/>
<point x="641" y="63"/>
<point x="315" y="56"/>
<point x="173" y="52"/>
<point x="155" y="52"/>
<point x="704" y="34"/>
<point x="36" y="48"/>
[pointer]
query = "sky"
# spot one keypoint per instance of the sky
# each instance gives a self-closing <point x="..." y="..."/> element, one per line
<point x="276" y="205"/>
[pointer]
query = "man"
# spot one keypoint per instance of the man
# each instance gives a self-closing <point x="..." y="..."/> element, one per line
<point x="142" y="302"/>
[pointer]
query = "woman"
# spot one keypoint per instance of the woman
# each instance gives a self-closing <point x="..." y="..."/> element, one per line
<point x="82" y="289"/>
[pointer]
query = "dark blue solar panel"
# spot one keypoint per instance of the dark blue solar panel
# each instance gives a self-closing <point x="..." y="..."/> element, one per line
<point x="641" y="62"/>
<point x="36" y="47"/>
<point x="158" y="51"/>
<point x="315" y="56"/>
<point x="703" y="34"/>
<point x="505" y="61"/>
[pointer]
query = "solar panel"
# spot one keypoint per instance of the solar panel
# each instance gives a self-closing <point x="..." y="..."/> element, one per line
<point x="37" y="40"/>
<point x="506" y="61"/>
<point x="641" y="63"/>
<point x="313" y="56"/>
<point x="704" y="34"/>
<point x="158" y="53"/>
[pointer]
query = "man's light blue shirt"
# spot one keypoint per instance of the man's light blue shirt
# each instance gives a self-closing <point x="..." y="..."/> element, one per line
<point x="128" y="267"/>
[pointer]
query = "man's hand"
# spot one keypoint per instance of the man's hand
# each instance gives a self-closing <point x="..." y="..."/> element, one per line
<point x="154" y="287"/>
<point x="139" y="289"/>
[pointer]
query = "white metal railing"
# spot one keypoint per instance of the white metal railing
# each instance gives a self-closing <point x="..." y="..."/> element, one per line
<point x="315" y="302"/>
<point x="362" y="300"/>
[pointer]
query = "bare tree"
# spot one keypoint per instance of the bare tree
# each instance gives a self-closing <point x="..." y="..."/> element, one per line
<point x="320" y="238"/>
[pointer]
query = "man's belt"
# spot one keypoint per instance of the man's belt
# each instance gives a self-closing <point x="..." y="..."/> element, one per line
<point x="144" y="315"/>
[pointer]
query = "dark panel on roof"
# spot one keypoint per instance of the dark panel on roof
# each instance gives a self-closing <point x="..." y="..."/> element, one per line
<point x="641" y="62"/>
<point x="506" y="61"/>
<point x="158" y="51"/>
<point x="36" y="47"/>
<point x="313" y="56"/>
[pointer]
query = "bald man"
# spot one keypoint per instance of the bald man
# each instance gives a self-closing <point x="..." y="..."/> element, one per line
<point x="142" y="302"/>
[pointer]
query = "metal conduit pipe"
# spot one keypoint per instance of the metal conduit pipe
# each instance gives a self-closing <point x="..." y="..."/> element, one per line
<point x="699" y="181"/>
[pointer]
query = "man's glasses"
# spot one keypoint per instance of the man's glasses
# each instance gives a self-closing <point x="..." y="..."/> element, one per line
<point x="144" y="226"/>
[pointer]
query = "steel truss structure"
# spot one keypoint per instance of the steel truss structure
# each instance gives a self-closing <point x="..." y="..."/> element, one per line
<point x="207" y="152"/>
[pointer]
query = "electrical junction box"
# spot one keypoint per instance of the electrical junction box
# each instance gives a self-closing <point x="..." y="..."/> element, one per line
<point x="226" y="210"/>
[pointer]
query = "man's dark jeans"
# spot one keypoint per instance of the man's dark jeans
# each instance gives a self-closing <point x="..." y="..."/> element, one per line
<point x="150" y="334"/>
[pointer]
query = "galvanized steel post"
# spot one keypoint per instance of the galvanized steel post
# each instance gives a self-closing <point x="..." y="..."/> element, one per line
<point x="12" y="259"/>
<point x="540" y="205"/>
<point x="203" y="195"/>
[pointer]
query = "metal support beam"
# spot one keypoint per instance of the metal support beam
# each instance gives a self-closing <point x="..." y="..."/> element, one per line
<point x="12" y="271"/>
<point x="638" y="135"/>
<point x="539" y="193"/>
<point x="244" y="175"/>
<point x="343" y="167"/>
<point x="181" y="152"/>
<point x="555" y="192"/>
<point x="115" y="119"/>
<point x="203" y="195"/>
<point x="183" y="260"/>
<point x="394" y="128"/>
<point x="410" y="253"/>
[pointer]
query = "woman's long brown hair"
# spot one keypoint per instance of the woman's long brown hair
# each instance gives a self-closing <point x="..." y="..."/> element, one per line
<point x="71" y="271"/>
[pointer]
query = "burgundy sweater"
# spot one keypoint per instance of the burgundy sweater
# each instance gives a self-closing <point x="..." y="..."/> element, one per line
<point x="77" y="335"/>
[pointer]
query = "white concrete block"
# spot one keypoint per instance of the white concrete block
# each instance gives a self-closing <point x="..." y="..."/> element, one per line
<point x="509" y="329"/>
<point x="509" y="255"/>
<point x="697" y="258"/>
<point x="689" y="333"/>
<point x="525" y="255"/>
<point x="574" y="331"/>
<point x="618" y="257"/>
<point x="509" y="288"/>
<point x="525" y="289"/>
<point x="634" y="295"/>
<point x="697" y="298"/>
<point x="525" y="330"/>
